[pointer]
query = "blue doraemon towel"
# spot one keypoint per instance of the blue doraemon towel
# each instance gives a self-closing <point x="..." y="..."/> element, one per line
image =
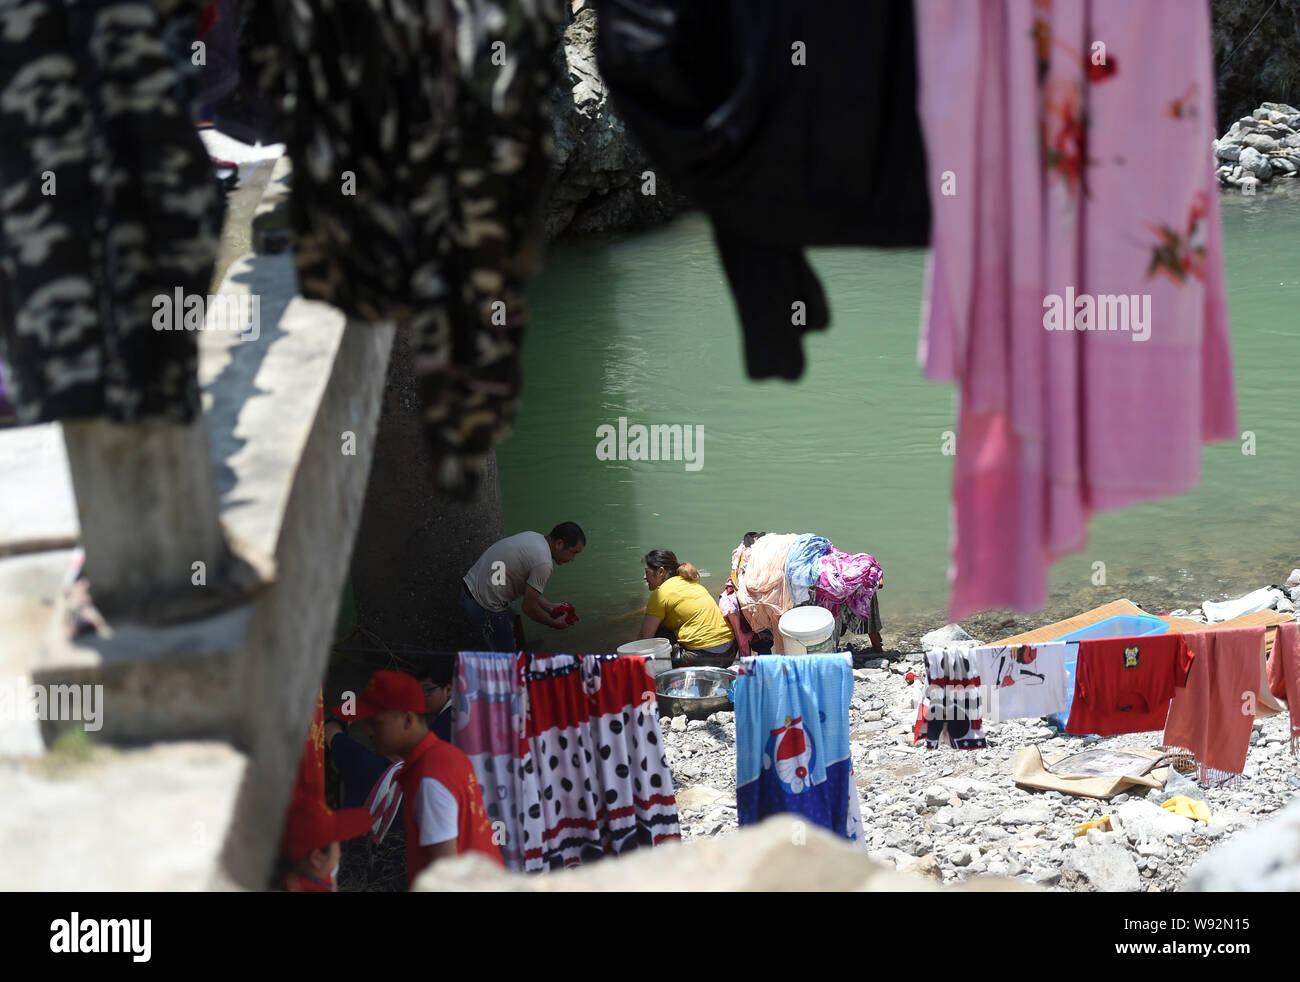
<point x="792" y="741"/>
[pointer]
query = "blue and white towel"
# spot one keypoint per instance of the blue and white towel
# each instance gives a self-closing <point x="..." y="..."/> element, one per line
<point x="792" y="741"/>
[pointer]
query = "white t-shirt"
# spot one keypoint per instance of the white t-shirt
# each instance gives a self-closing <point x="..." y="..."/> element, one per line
<point x="508" y="566"/>
<point x="436" y="813"/>
<point x="1024" y="680"/>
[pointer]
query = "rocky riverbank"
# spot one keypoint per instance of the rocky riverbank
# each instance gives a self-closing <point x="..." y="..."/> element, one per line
<point x="950" y="815"/>
<point x="1260" y="147"/>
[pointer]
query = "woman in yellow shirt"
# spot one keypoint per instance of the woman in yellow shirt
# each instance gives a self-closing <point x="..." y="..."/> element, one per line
<point x="680" y="608"/>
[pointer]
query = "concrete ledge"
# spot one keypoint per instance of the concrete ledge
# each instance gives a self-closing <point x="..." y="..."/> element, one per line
<point x="150" y="819"/>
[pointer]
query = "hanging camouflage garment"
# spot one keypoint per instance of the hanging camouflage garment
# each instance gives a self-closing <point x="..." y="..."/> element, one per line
<point x="420" y="138"/>
<point x="107" y="200"/>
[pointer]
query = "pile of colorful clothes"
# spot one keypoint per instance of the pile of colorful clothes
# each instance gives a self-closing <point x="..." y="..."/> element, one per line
<point x="772" y="573"/>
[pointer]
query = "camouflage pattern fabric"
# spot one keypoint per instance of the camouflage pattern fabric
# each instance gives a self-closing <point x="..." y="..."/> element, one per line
<point x="107" y="200"/>
<point x="421" y="142"/>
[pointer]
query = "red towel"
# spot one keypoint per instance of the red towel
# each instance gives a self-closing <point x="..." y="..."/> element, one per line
<point x="1213" y="715"/>
<point x="1284" y="674"/>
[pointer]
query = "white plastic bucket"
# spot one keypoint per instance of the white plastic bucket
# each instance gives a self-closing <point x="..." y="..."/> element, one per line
<point x="658" y="653"/>
<point x="807" y="630"/>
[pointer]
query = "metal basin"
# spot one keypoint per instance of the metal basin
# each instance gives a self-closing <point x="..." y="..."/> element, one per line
<point x="694" y="692"/>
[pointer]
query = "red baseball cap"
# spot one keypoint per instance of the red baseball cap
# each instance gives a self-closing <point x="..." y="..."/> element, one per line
<point x="311" y="824"/>
<point x="386" y="690"/>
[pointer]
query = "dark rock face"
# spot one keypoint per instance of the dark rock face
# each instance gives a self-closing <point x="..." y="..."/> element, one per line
<point x="599" y="172"/>
<point x="1252" y="68"/>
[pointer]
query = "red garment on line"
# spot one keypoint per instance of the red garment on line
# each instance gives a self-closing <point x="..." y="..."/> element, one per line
<point x="1110" y="698"/>
<point x="1209" y="717"/>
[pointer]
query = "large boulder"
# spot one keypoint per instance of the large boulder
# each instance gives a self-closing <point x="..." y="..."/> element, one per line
<point x="1254" y="162"/>
<point x="782" y="853"/>
<point x="598" y="169"/>
<point x="1265" y="858"/>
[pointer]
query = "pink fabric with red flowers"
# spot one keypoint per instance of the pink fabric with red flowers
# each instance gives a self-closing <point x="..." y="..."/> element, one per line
<point x="1063" y="169"/>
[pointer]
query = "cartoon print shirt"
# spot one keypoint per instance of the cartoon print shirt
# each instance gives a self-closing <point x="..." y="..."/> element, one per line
<point x="1123" y="685"/>
<point x="1024" y="680"/>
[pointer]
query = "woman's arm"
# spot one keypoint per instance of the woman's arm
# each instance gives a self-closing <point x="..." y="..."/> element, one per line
<point x="649" y="624"/>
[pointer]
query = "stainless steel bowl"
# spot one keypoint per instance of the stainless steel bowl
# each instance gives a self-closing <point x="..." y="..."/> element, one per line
<point x="694" y="692"/>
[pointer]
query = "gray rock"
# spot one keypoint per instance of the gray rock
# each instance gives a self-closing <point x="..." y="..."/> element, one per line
<point x="1107" y="868"/>
<point x="1291" y="141"/>
<point x="1142" y="820"/>
<point x="1256" y="163"/>
<point x="936" y="796"/>
<point x="1228" y="151"/>
<point x="946" y="816"/>
<point x="965" y="787"/>
<point x="597" y="169"/>
<point x="686" y="768"/>
<point x="699" y="797"/>
<point x="1260" y="142"/>
<point x="1035" y="814"/>
<point x="949" y="634"/>
<point x="1294" y="579"/>
<point x="1280" y="107"/>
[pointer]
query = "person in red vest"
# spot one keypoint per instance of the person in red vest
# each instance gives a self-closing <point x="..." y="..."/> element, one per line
<point x="442" y="803"/>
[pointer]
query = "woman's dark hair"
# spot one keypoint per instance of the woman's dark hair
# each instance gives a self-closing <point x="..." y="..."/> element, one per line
<point x="752" y="537"/>
<point x="666" y="560"/>
<point x="569" y="533"/>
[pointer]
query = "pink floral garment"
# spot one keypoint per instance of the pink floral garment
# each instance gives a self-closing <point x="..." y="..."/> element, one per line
<point x="1069" y="175"/>
<point x="848" y="578"/>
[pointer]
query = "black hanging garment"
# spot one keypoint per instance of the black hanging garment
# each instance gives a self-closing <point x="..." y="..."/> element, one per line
<point x="421" y="141"/>
<point x="792" y="123"/>
<point x="108" y="202"/>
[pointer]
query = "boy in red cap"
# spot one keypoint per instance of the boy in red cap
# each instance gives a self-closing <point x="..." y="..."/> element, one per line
<point x="442" y="804"/>
<point x="312" y="830"/>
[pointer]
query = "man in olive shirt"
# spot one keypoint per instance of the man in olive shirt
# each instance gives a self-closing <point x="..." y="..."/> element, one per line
<point x="514" y="567"/>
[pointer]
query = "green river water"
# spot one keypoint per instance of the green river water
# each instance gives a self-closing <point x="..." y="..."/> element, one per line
<point x="643" y="327"/>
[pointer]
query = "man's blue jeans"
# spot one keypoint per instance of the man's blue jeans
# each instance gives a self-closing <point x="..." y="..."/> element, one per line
<point x="496" y="627"/>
